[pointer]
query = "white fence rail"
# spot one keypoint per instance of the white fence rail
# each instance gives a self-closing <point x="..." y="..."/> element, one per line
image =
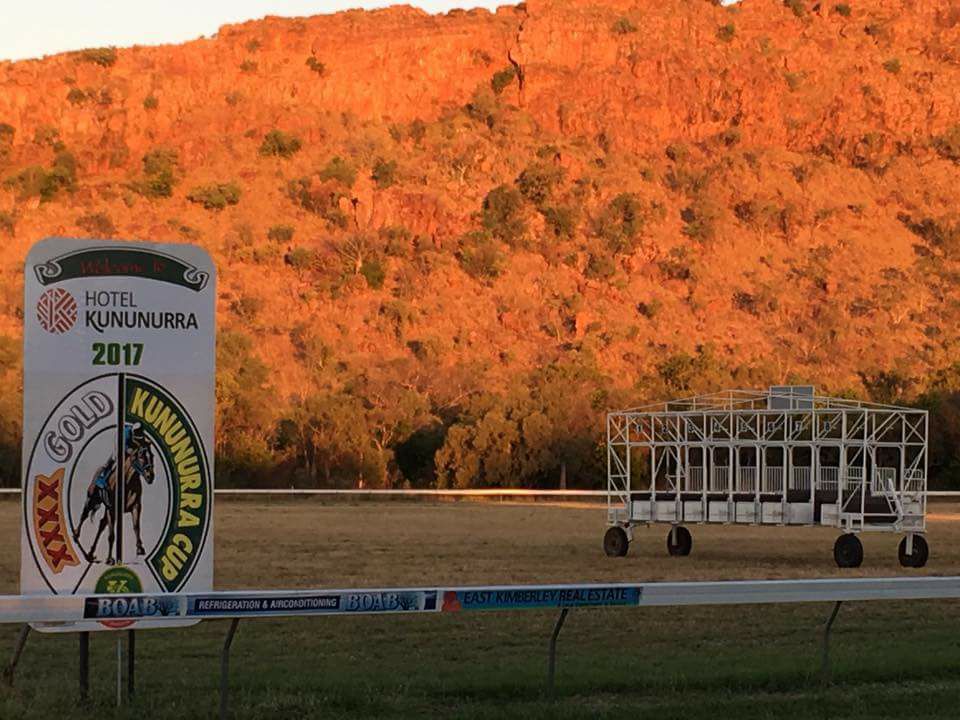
<point x="59" y="609"/>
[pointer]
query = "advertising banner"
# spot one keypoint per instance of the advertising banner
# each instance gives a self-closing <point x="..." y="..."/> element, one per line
<point x="528" y="598"/>
<point x="119" y="355"/>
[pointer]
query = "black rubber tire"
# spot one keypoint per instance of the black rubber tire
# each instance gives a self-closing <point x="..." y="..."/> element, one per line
<point x="684" y="542"/>
<point x="921" y="552"/>
<point x="848" y="551"/>
<point x="615" y="542"/>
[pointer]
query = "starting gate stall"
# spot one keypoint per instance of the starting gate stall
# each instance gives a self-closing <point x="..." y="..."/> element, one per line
<point x="784" y="456"/>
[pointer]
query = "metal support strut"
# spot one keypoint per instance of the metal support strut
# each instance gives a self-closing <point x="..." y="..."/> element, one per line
<point x="825" y="660"/>
<point x="131" y="662"/>
<point x="84" y="665"/>
<point x="17" y="651"/>
<point x="225" y="668"/>
<point x="552" y="661"/>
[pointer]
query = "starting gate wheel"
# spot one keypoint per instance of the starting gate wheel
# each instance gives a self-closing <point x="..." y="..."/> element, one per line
<point x="615" y="542"/>
<point x="848" y="551"/>
<point x="921" y="551"/>
<point x="684" y="543"/>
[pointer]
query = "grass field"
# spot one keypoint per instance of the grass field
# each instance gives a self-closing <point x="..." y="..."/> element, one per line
<point x="889" y="659"/>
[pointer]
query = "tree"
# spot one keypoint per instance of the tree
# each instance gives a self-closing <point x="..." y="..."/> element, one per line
<point x="328" y="435"/>
<point x="393" y="410"/>
<point x="545" y="426"/>
<point x="245" y="407"/>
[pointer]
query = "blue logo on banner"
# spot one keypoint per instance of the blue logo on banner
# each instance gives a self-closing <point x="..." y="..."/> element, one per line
<point x="410" y="601"/>
<point x="109" y="607"/>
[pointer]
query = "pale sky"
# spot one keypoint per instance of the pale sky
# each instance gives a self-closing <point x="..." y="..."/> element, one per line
<point x="34" y="28"/>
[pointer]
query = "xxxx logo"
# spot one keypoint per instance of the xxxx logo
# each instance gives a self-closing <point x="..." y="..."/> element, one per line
<point x="50" y="526"/>
<point x="56" y="311"/>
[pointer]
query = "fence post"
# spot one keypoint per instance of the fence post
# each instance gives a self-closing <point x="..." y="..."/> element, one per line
<point x="225" y="668"/>
<point x="825" y="660"/>
<point x="84" y="665"/>
<point x="17" y="651"/>
<point x="131" y="663"/>
<point x="552" y="658"/>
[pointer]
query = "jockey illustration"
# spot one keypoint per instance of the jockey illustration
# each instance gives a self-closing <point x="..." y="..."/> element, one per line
<point x="133" y="435"/>
<point x="137" y="467"/>
<point x="133" y="438"/>
<point x="101" y="494"/>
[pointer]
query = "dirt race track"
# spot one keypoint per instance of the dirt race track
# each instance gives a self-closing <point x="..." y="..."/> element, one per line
<point x="889" y="659"/>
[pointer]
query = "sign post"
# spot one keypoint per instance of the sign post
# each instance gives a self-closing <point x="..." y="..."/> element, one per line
<point x="118" y="421"/>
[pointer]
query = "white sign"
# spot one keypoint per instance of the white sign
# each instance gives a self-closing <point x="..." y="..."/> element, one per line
<point x="118" y="419"/>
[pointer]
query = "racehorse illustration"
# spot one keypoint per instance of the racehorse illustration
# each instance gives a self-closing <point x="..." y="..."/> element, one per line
<point x="137" y="467"/>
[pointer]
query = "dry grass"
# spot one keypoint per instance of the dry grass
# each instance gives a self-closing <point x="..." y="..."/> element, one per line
<point x="308" y="543"/>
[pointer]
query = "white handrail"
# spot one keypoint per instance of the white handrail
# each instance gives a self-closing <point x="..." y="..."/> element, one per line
<point x="56" y="610"/>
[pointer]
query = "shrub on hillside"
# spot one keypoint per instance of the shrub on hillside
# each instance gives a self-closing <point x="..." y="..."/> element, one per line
<point x="794" y="80"/>
<point x="621" y="222"/>
<point x="726" y="33"/>
<point x="676" y="265"/>
<point x="280" y="233"/>
<point x="600" y="266"/>
<point x="502" y="214"/>
<point x="397" y="241"/>
<point x="480" y="256"/>
<point x="340" y="170"/>
<point x="247" y="307"/>
<point x="892" y="66"/>
<point x="842" y="9"/>
<point x="700" y="218"/>
<point x="248" y="66"/>
<point x="484" y="107"/>
<point x="417" y="130"/>
<point x="280" y="144"/>
<point x="623" y="26"/>
<point x="318" y="67"/>
<point x="48" y="136"/>
<point x="76" y="96"/>
<point x="797" y="7"/>
<point x="501" y="80"/>
<point x="300" y="259"/>
<point x="324" y="202"/>
<point x="7" y="133"/>
<point x="150" y="102"/>
<point x="8" y="223"/>
<point x="97" y="224"/>
<point x="103" y="56"/>
<point x="36" y="181"/>
<point x="215" y="196"/>
<point x="678" y="152"/>
<point x="537" y="182"/>
<point x="942" y="233"/>
<point x="159" y="174"/>
<point x="384" y="173"/>
<point x="650" y="309"/>
<point x="562" y="220"/>
<point x="373" y="272"/>
<point x="948" y="144"/>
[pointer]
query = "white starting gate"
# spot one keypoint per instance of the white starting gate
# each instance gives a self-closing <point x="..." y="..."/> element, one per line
<point x="784" y="456"/>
